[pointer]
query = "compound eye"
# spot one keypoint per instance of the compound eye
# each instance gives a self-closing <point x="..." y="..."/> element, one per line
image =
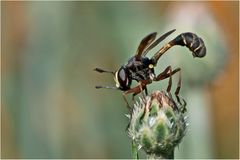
<point x="122" y="75"/>
<point x="122" y="79"/>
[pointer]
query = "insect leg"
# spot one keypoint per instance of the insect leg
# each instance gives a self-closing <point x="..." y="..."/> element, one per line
<point x="170" y="79"/>
<point x="168" y="73"/>
<point x="143" y="86"/>
<point x="183" y="108"/>
<point x="165" y="74"/>
<point x="183" y="105"/>
<point x="138" y="89"/>
<point x="178" y="85"/>
<point x="146" y="91"/>
<point x="125" y="99"/>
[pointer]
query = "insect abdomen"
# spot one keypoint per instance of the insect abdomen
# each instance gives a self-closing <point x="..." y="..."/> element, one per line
<point x="192" y="42"/>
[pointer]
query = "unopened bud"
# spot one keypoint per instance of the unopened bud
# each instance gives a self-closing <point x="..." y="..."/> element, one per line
<point x="157" y="124"/>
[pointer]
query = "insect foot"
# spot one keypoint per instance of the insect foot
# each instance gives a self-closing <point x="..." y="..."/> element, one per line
<point x="156" y="125"/>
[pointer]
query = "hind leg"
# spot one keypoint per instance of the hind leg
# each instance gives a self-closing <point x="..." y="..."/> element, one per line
<point x="167" y="73"/>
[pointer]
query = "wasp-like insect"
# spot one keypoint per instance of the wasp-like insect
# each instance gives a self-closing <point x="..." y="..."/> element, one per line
<point x="141" y="68"/>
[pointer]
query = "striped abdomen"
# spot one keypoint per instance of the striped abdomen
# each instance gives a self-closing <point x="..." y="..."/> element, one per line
<point x="192" y="42"/>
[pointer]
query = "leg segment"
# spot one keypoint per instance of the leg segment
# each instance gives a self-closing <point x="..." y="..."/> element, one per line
<point x="165" y="74"/>
<point x="146" y="91"/>
<point x="170" y="79"/>
<point x="138" y="89"/>
<point x="179" y="81"/>
<point x="168" y="73"/>
<point x="125" y="99"/>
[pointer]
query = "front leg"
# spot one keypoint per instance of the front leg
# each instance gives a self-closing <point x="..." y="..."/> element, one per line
<point x="125" y="99"/>
<point x="142" y="85"/>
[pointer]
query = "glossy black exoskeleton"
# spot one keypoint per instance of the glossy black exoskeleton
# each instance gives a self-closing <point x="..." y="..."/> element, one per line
<point x="141" y="68"/>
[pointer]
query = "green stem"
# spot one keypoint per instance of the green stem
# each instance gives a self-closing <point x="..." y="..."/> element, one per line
<point x="134" y="150"/>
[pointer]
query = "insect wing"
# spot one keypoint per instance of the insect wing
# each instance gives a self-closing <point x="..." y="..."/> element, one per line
<point x="144" y="43"/>
<point x="158" y="41"/>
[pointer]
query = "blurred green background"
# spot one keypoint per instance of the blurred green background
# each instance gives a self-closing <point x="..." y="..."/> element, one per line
<point x="50" y="108"/>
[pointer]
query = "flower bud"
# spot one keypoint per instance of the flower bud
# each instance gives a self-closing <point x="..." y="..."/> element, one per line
<point x="157" y="124"/>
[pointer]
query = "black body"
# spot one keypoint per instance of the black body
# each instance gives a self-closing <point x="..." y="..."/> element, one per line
<point x="141" y="68"/>
<point x="138" y="68"/>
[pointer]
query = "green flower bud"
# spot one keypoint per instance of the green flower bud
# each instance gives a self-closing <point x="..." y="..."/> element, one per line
<point x="157" y="124"/>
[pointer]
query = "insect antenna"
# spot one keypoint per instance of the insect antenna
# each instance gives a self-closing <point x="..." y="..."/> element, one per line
<point x="102" y="71"/>
<point x="106" y="87"/>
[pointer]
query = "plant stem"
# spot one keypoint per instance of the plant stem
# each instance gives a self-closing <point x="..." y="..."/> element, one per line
<point x="134" y="150"/>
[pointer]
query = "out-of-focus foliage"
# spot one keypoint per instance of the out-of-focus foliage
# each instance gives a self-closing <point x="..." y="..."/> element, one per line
<point x="50" y="108"/>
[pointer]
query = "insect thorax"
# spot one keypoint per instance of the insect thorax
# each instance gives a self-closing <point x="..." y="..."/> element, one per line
<point x="140" y="70"/>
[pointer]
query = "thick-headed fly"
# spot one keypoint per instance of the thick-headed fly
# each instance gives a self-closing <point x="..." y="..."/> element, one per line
<point x="141" y="68"/>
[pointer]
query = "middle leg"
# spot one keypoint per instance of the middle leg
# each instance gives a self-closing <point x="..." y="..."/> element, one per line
<point x="168" y="72"/>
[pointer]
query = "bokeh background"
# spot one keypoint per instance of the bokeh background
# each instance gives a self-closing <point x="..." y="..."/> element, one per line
<point x="50" y="108"/>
